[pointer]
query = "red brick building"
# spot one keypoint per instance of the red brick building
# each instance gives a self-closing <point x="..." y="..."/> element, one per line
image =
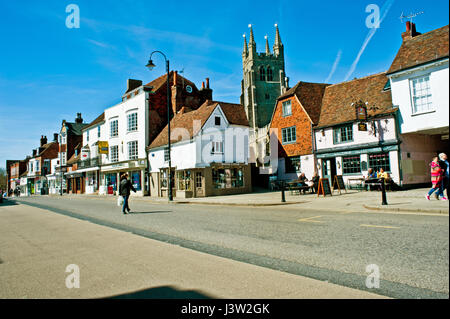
<point x="295" y="115"/>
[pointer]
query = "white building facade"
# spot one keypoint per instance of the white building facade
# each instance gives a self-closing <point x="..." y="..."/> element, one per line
<point x="419" y="81"/>
<point x="211" y="158"/>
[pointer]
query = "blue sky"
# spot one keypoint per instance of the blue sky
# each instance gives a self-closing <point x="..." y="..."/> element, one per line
<point x="49" y="72"/>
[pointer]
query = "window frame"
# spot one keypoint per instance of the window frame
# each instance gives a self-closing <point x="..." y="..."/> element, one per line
<point x="376" y="167"/>
<point x="114" y="159"/>
<point x="135" y="148"/>
<point x="114" y="129"/>
<point x="284" y="108"/>
<point x="356" y="170"/>
<point x="428" y="95"/>
<point x="133" y="116"/>
<point x="283" y="135"/>
<point x="337" y="138"/>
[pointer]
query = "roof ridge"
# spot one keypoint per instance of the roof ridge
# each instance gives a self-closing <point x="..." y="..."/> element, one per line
<point x="357" y="79"/>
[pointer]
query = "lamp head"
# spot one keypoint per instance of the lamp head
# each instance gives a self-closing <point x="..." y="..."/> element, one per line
<point x="150" y="65"/>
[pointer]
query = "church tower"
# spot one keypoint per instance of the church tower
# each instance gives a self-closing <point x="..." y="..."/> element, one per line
<point x="264" y="79"/>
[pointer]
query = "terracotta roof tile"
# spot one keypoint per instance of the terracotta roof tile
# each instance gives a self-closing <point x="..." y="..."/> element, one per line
<point x="234" y="113"/>
<point x="338" y="98"/>
<point x="162" y="80"/>
<point x="421" y="49"/>
<point x="310" y="96"/>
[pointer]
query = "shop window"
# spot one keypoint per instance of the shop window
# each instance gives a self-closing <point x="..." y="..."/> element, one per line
<point x="351" y="164"/>
<point x="237" y="177"/>
<point x="136" y="180"/>
<point x="292" y="164"/>
<point x="380" y="160"/>
<point x="184" y="180"/>
<point x="219" y="180"/>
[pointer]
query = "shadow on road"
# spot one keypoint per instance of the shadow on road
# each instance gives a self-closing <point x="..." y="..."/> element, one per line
<point x="8" y="202"/>
<point x="153" y="212"/>
<point x="165" y="292"/>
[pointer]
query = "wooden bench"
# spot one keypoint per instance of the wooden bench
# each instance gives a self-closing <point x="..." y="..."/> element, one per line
<point x="298" y="189"/>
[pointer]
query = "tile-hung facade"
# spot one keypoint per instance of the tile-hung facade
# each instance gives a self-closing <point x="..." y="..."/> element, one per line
<point x="357" y="130"/>
<point x="295" y="115"/>
<point x="419" y="84"/>
<point x="209" y="153"/>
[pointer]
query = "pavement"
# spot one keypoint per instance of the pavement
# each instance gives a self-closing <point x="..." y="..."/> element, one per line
<point x="408" y="201"/>
<point x="37" y="246"/>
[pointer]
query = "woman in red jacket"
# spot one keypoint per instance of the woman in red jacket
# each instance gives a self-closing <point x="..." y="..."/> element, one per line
<point x="436" y="179"/>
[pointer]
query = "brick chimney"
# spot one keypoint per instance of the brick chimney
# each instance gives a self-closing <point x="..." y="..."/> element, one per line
<point x="133" y="84"/>
<point x="34" y="152"/>
<point x="43" y="140"/>
<point x="55" y="137"/>
<point x="206" y="92"/>
<point x="410" y="31"/>
<point x="79" y="119"/>
<point x="176" y="97"/>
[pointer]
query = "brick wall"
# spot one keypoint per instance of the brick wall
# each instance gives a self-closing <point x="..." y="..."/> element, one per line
<point x="300" y="120"/>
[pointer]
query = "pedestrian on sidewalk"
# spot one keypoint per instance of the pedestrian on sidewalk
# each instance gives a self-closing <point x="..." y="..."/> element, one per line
<point x="436" y="179"/>
<point x="443" y="163"/>
<point x="125" y="187"/>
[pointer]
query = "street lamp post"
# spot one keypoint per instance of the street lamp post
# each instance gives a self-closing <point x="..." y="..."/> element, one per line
<point x="150" y="66"/>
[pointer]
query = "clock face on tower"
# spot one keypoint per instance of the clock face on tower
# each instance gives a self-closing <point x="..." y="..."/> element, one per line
<point x="188" y="88"/>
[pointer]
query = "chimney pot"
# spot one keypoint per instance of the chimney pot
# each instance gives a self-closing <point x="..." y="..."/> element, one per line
<point x="408" y="26"/>
<point x="203" y="85"/>
<point x="207" y="83"/>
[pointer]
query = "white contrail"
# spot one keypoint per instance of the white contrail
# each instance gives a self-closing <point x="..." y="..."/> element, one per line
<point x="384" y="10"/>
<point x="335" y="64"/>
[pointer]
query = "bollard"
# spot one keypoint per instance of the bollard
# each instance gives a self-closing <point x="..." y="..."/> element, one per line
<point x="383" y="192"/>
<point x="283" y="198"/>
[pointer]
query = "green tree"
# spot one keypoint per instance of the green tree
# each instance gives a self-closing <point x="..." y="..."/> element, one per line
<point x="3" y="179"/>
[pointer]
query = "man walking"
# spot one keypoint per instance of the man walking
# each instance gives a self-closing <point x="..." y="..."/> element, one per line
<point x="124" y="190"/>
<point x="443" y="163"/>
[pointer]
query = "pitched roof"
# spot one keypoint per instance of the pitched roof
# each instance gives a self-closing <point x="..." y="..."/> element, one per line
<point x="159" y="82"/>
<point x="310" y="96"/>
<point x="421" y="49"/>
<point x="44" y="148"/>
<point x="98" y="120"/>
<point x="73" y="159"/>
<point x="75" y="128"/>
<point x="338" y="98"/>
<point x="234" y="113"/>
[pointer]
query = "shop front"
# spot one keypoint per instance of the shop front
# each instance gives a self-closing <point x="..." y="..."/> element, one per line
<point x="75" y="183"/>
<point x="110" y="177"/>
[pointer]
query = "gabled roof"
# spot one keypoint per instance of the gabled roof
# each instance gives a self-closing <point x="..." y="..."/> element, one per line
<point x="44" y="148"/>
<point x="421" y="49"/>
<point x="338" y="98"/>
<point x="99" y="119"/>
<point x="310" y="96"/>
<point x="234" y="113"/>
<point x="73" y="159"/>
<point x="162" y="80"/>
